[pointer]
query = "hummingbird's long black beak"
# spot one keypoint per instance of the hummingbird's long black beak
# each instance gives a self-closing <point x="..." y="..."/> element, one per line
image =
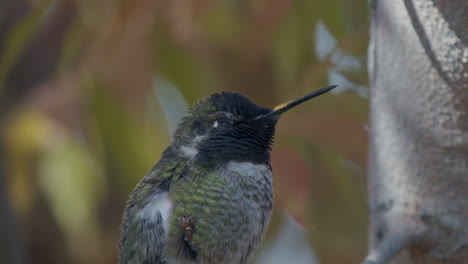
<point x="277" y="111"/>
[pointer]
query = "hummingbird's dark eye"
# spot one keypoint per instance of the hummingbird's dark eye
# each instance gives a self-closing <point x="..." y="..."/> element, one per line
<point x="222" y="119"/>
<point x="222" y="123"/>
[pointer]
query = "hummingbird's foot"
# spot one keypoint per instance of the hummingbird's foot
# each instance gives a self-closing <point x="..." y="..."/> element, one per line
<point x="187" y="222"/>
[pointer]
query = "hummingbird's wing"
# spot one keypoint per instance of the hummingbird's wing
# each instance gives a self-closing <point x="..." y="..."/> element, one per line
<point x="145" y="219"/>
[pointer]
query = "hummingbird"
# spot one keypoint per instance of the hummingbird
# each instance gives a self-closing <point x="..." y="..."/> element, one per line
<point x="209" y="199"/>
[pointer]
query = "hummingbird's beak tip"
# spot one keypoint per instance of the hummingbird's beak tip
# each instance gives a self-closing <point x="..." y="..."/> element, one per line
<point x="278" y="110"/>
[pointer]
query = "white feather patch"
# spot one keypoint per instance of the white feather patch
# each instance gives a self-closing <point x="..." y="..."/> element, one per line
<point x="191" y="151"/>
<point x="247" y="168"/>
<point x="158" y="204"/>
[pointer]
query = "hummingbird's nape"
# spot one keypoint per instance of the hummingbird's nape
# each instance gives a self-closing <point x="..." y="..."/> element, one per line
<point x="209" y="199"/>
<point x="278" y="110"/>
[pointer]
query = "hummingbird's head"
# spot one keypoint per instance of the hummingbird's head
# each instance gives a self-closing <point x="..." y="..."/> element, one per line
<point x="228" y="127"/>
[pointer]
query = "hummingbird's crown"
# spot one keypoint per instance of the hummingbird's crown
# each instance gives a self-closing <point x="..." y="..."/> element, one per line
<point x="229" y="102"/>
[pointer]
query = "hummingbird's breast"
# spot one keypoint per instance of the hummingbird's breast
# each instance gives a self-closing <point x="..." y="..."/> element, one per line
<point x="231" y="206"/>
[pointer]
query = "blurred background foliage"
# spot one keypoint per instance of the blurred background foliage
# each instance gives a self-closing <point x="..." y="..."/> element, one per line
<point x="90" y="90"/>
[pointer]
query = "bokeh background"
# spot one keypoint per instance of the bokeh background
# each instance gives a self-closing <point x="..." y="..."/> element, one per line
<point x="91" y="90"/>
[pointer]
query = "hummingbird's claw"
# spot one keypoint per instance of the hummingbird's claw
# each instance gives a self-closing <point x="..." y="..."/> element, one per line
<point x="187" y="222"/>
